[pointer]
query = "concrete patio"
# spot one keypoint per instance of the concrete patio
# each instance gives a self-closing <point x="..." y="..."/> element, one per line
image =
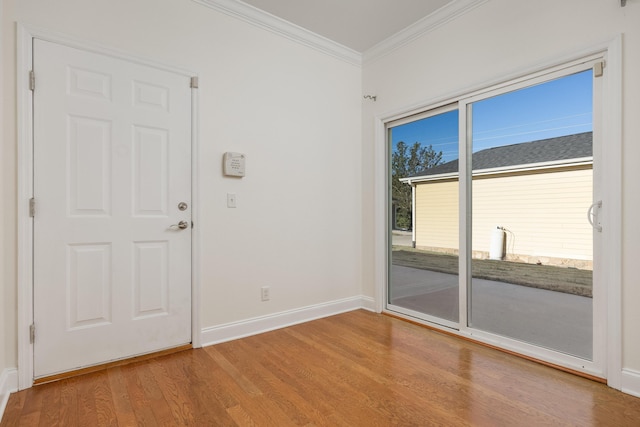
<point x="554" y="320"/>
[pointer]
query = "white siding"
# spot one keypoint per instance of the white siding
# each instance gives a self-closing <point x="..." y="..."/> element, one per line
<point x="545" y="214"/>
<point x="437" y="216"/>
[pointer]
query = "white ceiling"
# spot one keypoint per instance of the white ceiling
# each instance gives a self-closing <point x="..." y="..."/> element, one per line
<point x="356" y="24"/>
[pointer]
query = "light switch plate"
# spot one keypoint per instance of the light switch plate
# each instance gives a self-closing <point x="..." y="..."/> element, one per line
<point x="231" y="200"/>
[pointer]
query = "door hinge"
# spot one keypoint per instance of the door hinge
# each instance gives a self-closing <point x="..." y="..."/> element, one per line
<point x="32" y="207"/>
<point x="598" y="69"/>
<point x="194" y="82"/>
<point x="32" y="80"/>
<point x="32" y="333"/>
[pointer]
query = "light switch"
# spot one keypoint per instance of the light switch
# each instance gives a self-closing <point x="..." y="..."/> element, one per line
<point x="231" y="200"/>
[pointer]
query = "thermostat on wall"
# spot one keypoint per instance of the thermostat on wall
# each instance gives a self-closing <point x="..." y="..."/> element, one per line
<point x="234" y="164"/>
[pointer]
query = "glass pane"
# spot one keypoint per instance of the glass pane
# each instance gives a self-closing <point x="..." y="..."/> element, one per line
<point x="532" y="245"/>
<point x="424" y="217"/>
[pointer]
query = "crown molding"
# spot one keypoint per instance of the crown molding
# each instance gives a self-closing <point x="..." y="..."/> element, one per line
<point x="427" y="24"/>
<point x="252" y="15"/>
<point x="272" y="23"/>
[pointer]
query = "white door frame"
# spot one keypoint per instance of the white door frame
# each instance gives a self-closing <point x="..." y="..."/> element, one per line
<point x="25" y="35"/>
<point x="611" y="189"/>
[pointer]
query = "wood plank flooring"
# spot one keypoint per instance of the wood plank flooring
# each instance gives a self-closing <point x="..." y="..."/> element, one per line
<point x="353" y="369"/>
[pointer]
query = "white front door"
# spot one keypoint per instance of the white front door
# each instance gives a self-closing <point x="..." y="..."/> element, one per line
<point x="112" y="164"/>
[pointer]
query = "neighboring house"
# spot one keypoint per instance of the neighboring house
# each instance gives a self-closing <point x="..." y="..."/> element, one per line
<point x="539" y="191"/>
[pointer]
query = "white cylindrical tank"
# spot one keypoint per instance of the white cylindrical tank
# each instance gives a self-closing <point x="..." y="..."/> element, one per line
<point x="498" y="239"/>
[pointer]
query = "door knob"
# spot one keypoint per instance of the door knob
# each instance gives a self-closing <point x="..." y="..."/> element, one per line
<point x="181" y="225"/>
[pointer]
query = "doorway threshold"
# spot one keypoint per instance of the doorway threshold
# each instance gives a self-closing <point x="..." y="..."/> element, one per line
<point x="112" y="364"/>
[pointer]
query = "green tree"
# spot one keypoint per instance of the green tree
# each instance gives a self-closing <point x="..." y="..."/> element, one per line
<point x="408" y="161"/>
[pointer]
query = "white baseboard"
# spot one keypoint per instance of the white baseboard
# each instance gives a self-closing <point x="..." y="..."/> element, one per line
<point x="630" y="382"/>
<point x="368" y="303"/>
<point x="258" y="325"/>
<point x="8" y="385"/>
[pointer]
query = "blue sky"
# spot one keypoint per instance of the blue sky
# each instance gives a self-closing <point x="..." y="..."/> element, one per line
<point x="555" y="108"/>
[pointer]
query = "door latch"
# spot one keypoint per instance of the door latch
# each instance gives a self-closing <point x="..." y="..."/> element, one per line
<point x="179" y="226"/>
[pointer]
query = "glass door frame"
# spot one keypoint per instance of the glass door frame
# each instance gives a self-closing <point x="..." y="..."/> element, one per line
<point x="432" y="112"/>
<point x="595" y="366"/>
<point x="607" y="266"/>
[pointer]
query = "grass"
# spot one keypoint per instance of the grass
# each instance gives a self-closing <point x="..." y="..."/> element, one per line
<point x="559" y="279"/>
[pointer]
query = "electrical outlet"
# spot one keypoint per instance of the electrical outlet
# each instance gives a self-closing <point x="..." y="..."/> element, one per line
<point x="265" y="293"/>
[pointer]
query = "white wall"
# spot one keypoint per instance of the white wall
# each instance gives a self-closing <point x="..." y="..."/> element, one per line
<point x="293" y="111"/>
<point x="3" y="348"/>
<point x="7" y="221"/>
<point x="494" y="40"/>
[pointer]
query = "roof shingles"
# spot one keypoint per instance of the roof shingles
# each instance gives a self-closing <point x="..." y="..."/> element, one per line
<point x="567" y="147"/>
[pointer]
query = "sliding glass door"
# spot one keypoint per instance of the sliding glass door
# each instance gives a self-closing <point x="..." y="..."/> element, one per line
<point x="493" y="214"/>
<point x="531" y="242"/>
<point x="423" y="279"/>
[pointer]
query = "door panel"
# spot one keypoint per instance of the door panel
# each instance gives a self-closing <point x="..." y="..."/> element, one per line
<point x="424" y="280"/>
<point x="90" y="283"/>
<point x="151" y="171"/>
<point x="112" y="160"/>
<point x="151" y="279"/>
<point x="532" y="245"/>
<point x="89" y="163"/>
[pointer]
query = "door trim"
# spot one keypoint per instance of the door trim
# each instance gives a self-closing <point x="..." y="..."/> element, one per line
<point x="25" y="36"/>
<point x="612" y="186"/>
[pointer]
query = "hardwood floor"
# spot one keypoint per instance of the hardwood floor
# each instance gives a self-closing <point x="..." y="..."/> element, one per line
<point x="354" y="369"/>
